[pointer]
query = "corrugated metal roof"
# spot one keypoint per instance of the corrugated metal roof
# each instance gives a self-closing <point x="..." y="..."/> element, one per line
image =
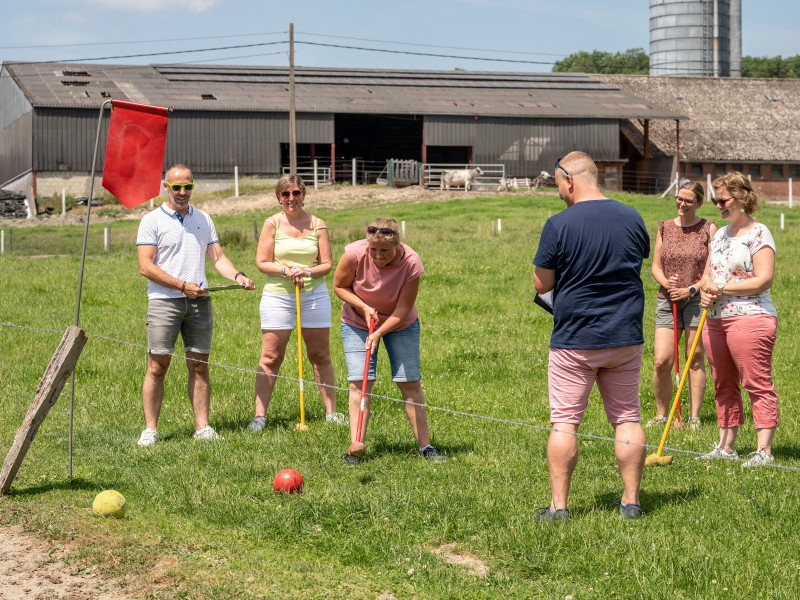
<point x="331" y="90"/>
<point x="730" y="119"/>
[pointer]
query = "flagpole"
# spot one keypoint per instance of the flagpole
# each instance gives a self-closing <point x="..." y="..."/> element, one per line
<point x="83" y="262"/>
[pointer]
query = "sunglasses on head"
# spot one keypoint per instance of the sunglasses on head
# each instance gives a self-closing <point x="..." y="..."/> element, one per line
<point x="558" y="166"/>
<point x="382" y="230"/>
<point x="293" y="193"/>
<point x="176" y="187"/>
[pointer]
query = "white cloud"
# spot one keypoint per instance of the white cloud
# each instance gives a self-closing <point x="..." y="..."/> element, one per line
<point x="153" y="5"/>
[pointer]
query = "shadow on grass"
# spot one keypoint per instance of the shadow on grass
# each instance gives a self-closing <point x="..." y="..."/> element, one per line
<point x="74" y="483"/>
<point x="650" y="501"/>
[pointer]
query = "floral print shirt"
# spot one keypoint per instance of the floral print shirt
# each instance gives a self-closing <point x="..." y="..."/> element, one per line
<point x="732" y="260"/>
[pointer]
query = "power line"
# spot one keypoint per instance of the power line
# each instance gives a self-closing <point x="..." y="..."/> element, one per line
<point x="207" y="37"/>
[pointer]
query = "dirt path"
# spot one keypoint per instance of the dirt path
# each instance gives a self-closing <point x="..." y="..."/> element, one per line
<point x="30" y="568"/>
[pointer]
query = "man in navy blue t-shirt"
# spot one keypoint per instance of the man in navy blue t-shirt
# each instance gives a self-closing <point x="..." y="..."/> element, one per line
<point x="590" y="256"/>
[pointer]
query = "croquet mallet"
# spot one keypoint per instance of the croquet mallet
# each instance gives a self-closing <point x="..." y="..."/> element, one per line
<point x="656" y="459"/>
<point x="301" y="426"/>
<point x="358" y="449"/>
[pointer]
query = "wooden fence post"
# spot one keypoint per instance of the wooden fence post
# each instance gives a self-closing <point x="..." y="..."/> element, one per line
<point x="60" y="367"/>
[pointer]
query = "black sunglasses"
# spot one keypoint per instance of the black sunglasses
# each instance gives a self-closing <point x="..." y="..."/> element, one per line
<point x="176" y="187"/>
<point x="722" y="202"/>
<point x="372" y="230"/>
<point x="558" y="166"/>
<point x="294" y="193"/>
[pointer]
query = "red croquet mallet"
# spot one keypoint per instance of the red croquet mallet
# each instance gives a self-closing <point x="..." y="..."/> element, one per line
<point x="677" y="359"/>
<point x="358" y="449"/>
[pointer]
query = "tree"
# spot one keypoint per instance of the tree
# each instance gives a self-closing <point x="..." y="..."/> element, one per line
<point x="630" y="62"/>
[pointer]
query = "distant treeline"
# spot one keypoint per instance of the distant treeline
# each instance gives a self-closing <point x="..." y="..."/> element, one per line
<point x="636" y="62"/>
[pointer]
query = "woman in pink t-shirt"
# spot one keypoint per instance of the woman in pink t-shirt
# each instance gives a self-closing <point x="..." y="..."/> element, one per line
<point x="378" y="278"/>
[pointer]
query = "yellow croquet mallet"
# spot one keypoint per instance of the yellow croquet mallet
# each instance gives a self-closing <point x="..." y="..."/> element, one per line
<point x="301" y="426"/>
<point x="656" y="459"/>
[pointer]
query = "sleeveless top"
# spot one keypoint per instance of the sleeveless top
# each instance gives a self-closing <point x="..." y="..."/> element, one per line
<point x="684" y="251"/>
<point x="294" y="252"/>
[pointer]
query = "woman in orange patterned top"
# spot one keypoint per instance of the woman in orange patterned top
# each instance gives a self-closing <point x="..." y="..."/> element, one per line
<point x="679" y="261"/>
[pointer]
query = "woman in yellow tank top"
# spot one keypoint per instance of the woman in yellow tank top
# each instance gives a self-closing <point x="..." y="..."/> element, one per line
<point x="294" y="249"/>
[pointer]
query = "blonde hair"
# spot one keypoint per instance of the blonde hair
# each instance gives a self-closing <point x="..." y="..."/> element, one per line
<point x="288" y="181"/>
<point x="740" y="188"/>
<point x="393" y="237"/>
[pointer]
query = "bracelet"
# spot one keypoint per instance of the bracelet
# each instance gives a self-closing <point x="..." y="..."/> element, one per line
<point x="309" y="272"/>
<point x="283" y="271"/>
<point x="237" y="275"/>
<point x="183" y="287"/>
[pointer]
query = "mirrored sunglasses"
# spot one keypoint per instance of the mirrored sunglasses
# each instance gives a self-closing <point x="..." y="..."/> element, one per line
<point x="176" y="187"/>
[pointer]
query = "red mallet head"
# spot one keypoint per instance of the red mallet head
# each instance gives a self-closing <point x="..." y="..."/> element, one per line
<point x="288" y="481"/>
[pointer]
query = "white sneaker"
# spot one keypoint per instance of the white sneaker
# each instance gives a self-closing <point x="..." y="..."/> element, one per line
<point x="337" y="418"/>
<point x="760" y="459"/>
<point x="718" y="452"/>
<point x="656" y="421"/>
<point x="148" y="437"/>
<point x="207" y="433"/>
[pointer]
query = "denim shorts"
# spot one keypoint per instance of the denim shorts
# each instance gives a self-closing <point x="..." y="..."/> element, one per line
<point x="168" y="317"/>
<point x="402" y="347"/>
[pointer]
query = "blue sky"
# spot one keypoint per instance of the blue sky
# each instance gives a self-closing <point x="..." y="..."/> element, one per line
<point x="533" y="32"/>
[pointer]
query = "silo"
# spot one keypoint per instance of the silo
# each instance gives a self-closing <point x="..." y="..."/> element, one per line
<point x="693" y="37"/>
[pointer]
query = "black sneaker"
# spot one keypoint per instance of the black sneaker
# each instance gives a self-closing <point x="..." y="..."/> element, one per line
<point x="432" y="453"/>
<point x="628" y="511"/>
<point x="545" y="515"/>
<point x="351" y="460"/>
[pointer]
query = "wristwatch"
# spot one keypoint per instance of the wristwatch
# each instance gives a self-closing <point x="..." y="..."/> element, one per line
<point x="720" y="287"/>
<point x="692" y="291"/>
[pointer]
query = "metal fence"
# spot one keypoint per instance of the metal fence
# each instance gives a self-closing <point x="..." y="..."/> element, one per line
<point x="491" y="179"/>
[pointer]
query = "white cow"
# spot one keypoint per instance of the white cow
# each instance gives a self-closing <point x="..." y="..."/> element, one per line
<point x="465" y="177"/>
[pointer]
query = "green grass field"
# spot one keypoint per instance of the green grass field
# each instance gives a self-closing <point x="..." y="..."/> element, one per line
<point x="203" y="521"/>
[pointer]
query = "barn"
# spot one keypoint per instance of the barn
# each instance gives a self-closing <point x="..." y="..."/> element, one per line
<point x="238" y="116"/>
<point x="743" y="124"/>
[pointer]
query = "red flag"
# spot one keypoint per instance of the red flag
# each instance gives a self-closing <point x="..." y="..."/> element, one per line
<point x="134" y="159"/>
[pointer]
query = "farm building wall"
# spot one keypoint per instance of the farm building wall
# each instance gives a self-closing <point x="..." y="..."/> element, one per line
<point x="15" y="129"/>
<point x="526" y="146"/>
<point x="209" y="142"/>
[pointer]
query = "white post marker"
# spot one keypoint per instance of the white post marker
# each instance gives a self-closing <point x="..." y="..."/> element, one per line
<point x="236" y="180"/>
<point x="2" y="241"/>
<point x="151" y="203"/>
<point x="316" y="175"/>
<point x="781" y="221"/>
<point x="750" y="179"/>
<point x="355" y="174"/>
<point x="63" y="201"/>
<point x="499" y="227"/>
<point x="105" y="238"/>
<point x="403" y="227"/>
<point x="708" y="186"/>
<point x="790" y="192"/>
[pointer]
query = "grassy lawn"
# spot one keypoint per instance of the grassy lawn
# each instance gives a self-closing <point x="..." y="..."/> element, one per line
<point x="203" y="521"/>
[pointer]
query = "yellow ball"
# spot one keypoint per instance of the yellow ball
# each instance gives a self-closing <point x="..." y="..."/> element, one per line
<point x="109" y="503"/>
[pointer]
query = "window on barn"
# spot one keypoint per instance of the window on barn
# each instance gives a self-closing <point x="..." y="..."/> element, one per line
<point x="697" y="170"/>
<point x="737" y="167"/>
<point x="719" y="169"/>
<point x="794" y="170"/>
<point x="777" y="171"/>
<point x="755" y="170"/>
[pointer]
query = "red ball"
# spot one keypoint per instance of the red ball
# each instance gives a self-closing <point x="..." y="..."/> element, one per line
<point x="288" y="481"/>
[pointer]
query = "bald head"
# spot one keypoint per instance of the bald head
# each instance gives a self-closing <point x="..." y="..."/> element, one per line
<point x="581" y="168"/>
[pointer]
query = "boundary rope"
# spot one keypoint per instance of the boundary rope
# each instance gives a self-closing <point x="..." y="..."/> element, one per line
<point x="401" y="401"/>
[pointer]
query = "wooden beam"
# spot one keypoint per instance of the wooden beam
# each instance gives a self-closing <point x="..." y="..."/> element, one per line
<point x="60" y="367"/>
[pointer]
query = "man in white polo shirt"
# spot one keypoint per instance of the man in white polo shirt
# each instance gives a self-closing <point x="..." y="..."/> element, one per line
<point x="172" y="244"/>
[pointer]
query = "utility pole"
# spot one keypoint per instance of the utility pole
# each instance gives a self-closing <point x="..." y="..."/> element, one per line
<point x="292" y="125"/>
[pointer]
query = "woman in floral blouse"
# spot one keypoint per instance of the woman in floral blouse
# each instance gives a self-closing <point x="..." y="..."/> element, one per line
<point x="742" y="321"/>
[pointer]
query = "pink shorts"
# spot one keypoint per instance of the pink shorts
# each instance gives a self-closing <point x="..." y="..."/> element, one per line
<point x="572" y="373"/>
